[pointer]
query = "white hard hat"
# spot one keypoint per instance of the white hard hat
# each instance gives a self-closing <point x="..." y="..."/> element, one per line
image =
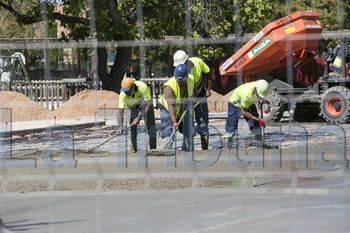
<point x="180" y="57"/>
<point x="262" y="88"/>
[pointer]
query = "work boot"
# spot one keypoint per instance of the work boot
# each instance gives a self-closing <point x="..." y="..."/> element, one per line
<point x="228" y="139"/>
<point x="257" y="132"/>
<point x="187" y="144"/>
<point x="153" y="143"/>
<point x="204" y="141"/>
<point x="133" y="145"/>
<point x="258" y="139"/>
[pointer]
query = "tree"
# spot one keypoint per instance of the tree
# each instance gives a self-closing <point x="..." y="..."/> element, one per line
<point x="112" y="20"/>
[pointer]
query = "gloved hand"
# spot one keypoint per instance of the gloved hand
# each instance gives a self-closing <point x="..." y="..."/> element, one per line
<point x="261" y="123"/>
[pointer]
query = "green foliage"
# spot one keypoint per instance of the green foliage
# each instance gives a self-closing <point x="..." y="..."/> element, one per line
<point x="253" y="13"/>
<point x="167" y="18"/>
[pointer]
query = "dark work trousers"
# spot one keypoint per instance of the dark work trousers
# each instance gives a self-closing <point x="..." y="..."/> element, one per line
<point x="150" y="125"/>
<point x="233" y="114"/>
<point x="202" y="117"/>
<point x="186" y="127"/>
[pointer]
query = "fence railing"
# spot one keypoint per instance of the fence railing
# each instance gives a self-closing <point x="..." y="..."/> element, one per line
<point x="53" y="93"/>
<point x="155" y="86"/>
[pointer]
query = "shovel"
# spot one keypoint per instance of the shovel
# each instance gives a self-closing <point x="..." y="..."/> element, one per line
<point x="119" y="133"/>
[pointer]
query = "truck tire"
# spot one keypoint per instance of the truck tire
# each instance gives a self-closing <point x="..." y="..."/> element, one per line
<point x="335" y="105"/>
<point x="307" y="113"/>
<point x="276" y="107"/>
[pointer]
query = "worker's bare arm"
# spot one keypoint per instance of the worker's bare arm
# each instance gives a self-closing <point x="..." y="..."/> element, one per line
<point x="148" y="106"/>
<point x="248" y="115"/>
<point x="208" y="78"/>
<point x="172" y="115"/>
<point x="120" y="118"/>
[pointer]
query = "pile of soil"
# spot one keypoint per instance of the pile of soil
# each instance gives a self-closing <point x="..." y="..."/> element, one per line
<point x="218" y="102"/>
<point x="86" y="103"/>
<point x="23" y="108"/>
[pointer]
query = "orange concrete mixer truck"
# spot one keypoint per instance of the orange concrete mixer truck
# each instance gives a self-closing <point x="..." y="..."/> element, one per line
<point x="292" y="41"/>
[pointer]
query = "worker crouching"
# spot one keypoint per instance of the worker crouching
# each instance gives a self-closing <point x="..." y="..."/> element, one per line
<point x="176" y="112"/>
<point x="242" y="102"/>
<point x="137" y="97"/>
<point x="201" y="74"/>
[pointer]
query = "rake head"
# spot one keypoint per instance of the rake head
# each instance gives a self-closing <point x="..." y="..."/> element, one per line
<point x="259" y="144"/>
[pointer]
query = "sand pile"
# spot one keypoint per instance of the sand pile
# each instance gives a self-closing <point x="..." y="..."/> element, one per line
<point x="218" y="102"/>
<point x="86" y="103"/>
<point x="23" y="108"/>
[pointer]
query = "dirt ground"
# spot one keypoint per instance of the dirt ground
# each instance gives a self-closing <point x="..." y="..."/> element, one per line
<point x="50" y="166"/>
<point x="56" y="168"/>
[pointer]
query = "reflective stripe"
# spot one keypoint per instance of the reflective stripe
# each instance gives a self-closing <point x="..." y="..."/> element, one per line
<point x="228" y="135"/>
<point x="256" y="133"/>
<point x="236" y="102"/>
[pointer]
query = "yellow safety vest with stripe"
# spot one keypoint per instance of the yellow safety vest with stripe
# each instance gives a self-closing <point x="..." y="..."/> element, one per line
<point x="175" y="86"/>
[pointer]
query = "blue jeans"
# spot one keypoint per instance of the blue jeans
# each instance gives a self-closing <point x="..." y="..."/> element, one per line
<point x="233" y="115"/>
<point x="185" y="127"/>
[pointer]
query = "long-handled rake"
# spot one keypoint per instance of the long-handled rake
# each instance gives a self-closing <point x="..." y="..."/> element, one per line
<point x="119" y="133"/>
<point x="182" y="116"/>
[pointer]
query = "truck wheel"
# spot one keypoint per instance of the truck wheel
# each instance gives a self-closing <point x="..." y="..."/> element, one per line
<point x="274" y="108"/>
<point x="335" y="105"/>
<point x="306" y="113"/>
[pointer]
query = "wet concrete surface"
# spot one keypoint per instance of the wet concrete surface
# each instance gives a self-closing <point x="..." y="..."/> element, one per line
<point x="283" y="133"/>
<point x="303" y="186"/>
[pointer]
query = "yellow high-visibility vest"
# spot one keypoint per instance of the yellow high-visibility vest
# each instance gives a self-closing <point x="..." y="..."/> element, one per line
<point x="175" y="86"/>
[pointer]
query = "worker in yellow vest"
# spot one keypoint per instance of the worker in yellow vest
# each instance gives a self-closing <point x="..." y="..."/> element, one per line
<point x="199" y="70"/>
<point x="179" y="92"/>
<point x="336" y="66"/>
<point x="242" y="102"/>
<point x="136" y="95"/>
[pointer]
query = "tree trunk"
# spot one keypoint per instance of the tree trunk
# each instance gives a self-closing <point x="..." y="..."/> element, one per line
<point x="102" y="68"/>
<point x="112" y="81"/>
<point x="119" y="67"/>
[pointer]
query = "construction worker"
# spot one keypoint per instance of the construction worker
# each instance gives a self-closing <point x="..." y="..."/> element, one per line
<point x="242" y="102"/>
<point x="136" y="95"/>
<point x="198" y="69"/>
<point x="179" y="91"/>
<point x="337" y="63"/>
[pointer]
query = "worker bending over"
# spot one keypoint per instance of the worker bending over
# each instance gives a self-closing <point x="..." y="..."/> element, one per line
<point x="179" y="91"/>
<point x="242" y="102"/>
<point x="198" y="69"/>
<point x="137" y="97"/>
